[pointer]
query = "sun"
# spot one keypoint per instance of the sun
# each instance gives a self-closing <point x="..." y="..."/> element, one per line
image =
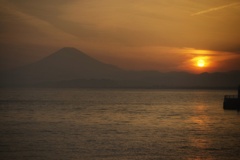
<point x="200" y="63"/>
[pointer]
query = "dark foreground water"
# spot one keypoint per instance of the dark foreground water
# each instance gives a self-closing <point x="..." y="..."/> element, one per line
<point x="75" y="124"/>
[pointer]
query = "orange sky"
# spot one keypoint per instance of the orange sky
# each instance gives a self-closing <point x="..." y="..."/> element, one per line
<point x="163" y="35"/>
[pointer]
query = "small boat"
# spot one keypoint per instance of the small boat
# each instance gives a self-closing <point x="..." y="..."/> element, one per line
<point x="232" y="102"/>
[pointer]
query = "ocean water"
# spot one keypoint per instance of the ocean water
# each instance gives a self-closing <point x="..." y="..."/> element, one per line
<point x="81" y="124"/>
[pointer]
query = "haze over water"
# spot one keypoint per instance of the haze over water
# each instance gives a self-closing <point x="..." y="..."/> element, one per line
<point x="42" y="124"/>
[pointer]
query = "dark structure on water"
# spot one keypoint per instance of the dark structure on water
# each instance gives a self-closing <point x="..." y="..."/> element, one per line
<point x="232" y="102"/>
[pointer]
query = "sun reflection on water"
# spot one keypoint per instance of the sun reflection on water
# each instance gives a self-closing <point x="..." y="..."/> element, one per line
<point x="201" y="158"/>
<point x="199" y="137"/>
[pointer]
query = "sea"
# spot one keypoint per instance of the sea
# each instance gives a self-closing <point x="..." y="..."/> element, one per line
<point x="117" y="124"/>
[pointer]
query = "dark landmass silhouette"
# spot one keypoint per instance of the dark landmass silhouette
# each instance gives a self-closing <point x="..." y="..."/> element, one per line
<point x="70" y="67"/>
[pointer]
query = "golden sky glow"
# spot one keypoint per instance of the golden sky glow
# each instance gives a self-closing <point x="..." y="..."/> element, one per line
<point x="163" y="35"/>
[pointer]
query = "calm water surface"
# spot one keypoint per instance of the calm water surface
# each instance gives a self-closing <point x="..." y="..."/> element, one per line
<point x="77" y="124"/>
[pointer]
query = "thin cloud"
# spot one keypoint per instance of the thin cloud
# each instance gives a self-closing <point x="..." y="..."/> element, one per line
<point x="215" y="9"/>
<point x="39" y="24"/>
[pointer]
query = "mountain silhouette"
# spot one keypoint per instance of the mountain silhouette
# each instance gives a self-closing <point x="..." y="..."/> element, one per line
<point x="66" y="64"/>
<point x="69" y="67"/>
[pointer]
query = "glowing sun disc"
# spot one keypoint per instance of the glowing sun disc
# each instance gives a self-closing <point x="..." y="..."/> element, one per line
<point x="200" y="63"/>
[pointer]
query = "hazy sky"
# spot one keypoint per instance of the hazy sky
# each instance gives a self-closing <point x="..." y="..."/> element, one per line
<point x="164" y="35"/>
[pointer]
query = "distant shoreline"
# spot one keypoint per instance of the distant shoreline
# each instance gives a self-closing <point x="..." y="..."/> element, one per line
<point x="123" y="88"/>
